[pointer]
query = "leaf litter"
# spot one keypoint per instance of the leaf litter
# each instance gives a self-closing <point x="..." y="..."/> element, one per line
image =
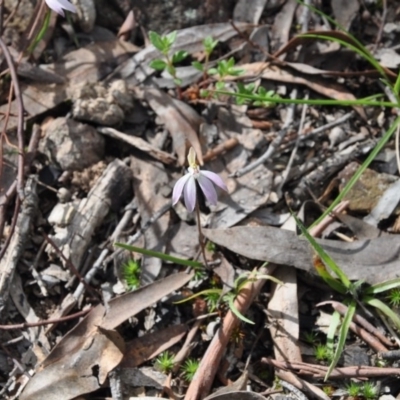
<point x="253" y="330"/>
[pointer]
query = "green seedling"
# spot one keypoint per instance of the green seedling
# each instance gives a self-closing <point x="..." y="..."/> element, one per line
<point x="209" y="46"/>
<point x="165" y="362"/>
<point x="310" y="337"/>
<point x="353" y="389"/>
<point x="189" y="368"/>
<point x="250" y="89"/>
<point x="164" y="45"/>
<point x="323" y="353"/>
<point x="224" y="69"/>
<point x="211" y="247"/>
<point x="394" y="297"/>
<point x="131" y="274"/>
<point x="369" y="391"/>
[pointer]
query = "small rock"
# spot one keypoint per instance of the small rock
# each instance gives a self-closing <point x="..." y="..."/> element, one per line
<point x="366" y="193"/>
<point x="72" y="145"/>
<point x="105" y="106"/>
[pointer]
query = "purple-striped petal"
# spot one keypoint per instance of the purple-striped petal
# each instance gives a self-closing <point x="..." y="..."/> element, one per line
<point x="178" y="188"/>
<point x="215" y="179"/>
<point x="189" y="193"/>
<point x="207" y="188"/>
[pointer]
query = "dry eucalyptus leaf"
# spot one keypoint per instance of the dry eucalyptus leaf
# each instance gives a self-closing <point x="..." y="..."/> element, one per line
<point x="373" y="260"/>
<point x="128" y="305"/>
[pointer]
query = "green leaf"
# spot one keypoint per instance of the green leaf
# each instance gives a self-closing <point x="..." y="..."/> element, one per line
<point x="162" y="256"/>
<point x="231" y="302"/>
<point x="396" y="87"/>
<point x="328" y="261"/>
<point x="344" y="329"/>
<point x="384" y="308"/>
<point x="179" y="56"/>
<point x="178" y="81"/>
<point x="204" y="93"/>
<point x="383" y="286"/>
<point x="220" y="85"/>
<point x="235" y="71"/>
<point x="212" y="71"/>
<point x="171" y="70"/>
<point x="170" y="38"/>
<point x="209" y="45"/>
<point x="157" y="41"/>
<point x="158" y="65"/>
<point x="202" y="293"/>
<point x="198" y="65"/>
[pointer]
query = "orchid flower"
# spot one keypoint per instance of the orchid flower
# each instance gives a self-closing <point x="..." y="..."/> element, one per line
<point x="59" y="5"/>
<point x="187" y="184"/>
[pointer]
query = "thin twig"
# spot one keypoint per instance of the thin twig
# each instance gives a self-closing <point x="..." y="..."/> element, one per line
<point x="44" y="322"/>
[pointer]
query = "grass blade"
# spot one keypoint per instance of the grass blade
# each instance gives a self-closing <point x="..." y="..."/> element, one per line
<point x="162" y="256"/>
<point x="383" y="286"/>
<point x="329" y="262"/>
<point x="344" y="329"/>
<point x="385" y="309"/>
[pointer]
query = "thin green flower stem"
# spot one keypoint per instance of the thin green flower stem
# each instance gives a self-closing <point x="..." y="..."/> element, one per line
<point x="316" y="102"/>
<point x="201" y="236"/>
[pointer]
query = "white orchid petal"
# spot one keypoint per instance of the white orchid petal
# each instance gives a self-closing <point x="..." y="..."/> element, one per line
<point x="215" y="179"/>
<point x="178" y="188"/>
<point x="207" y="188"/>
<point x="190" y="193"/>
<point x="60" y="5"/>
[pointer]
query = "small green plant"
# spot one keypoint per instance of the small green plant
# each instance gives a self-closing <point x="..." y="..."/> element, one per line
<point x="211" y="247"/>
<point x="229" y="298"/>
<point x="209" y="45"/>
<point x="323" y="353"/>
<point x="224" y="69"/>
<point x="394" y="297"/>
<point x="165" y="362"/>
<point x="189" y="368"/>
<point x="212" y="299"/>
<point x="310" y="337"/>
<point x="369" y="391"/>
<point x="131" y="274"/>
<point x="261" y="92"/>
<point x="164" y="45"/>
<point x="353" y="389"/>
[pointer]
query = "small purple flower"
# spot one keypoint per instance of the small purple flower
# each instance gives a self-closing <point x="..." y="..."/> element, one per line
<point x="59" y="5"/>
<point x="187" y="184"/>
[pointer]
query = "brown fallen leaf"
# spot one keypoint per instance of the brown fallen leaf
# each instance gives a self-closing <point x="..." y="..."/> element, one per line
<point x="123" y="307"/>
<point x="85" y="356"/>
<point x="150" y="180"/>
<point x="146" y="347"/>
<point x="181" y="120"/>
<point x="92" y="349"/>
<point x="372" y="260"/>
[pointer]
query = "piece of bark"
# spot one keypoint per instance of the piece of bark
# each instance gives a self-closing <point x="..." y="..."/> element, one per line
<point x="109" y="192"/>
<point x="15" y="249"/>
